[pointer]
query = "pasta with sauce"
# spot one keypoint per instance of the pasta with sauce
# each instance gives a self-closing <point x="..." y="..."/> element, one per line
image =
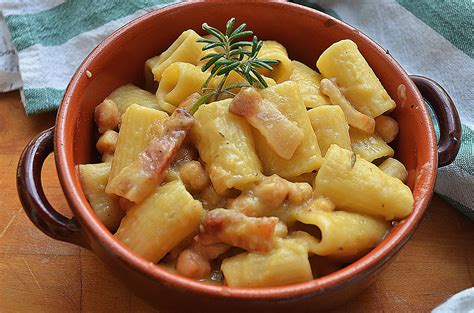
<point x="254" y="186"/>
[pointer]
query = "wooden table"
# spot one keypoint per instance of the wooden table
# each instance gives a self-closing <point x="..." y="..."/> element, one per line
<point x="39" y="274"/>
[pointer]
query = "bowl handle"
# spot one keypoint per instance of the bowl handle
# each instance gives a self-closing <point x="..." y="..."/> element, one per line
<point x="447" y="116"/>
<point x="32" y="196"/>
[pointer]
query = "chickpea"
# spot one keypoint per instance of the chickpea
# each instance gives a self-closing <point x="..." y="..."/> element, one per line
<point x="324" y="204"/>
<point x="106" y="116"/>
<point x="386" y="127"/>
<point x="281" y="230"/>
<point x="300" y="192"/>
<point x="107" y="142"/>
<point x="192" y="264"/>
<point x="193" y="175"/>
<point x="272" y="194"/>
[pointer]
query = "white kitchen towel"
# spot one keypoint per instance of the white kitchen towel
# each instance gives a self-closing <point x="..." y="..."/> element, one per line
<point x="462" y="302"/>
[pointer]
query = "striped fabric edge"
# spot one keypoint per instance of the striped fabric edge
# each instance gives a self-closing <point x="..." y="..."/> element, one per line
<point x="54" y="27"/>
<point x="41" y="100"/>
<point x="454" y="20"/>
<point x="36" y="85"/>
<point x="34" y="59"/>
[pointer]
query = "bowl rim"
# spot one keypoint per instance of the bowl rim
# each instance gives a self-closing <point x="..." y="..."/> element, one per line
<point x="357" y="270"/>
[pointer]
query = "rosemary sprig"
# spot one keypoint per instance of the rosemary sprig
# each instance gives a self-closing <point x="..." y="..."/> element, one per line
<point x="232" y="55"/>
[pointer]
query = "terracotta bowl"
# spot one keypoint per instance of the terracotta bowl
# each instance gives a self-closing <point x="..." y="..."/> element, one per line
<point x="306" y="33"/>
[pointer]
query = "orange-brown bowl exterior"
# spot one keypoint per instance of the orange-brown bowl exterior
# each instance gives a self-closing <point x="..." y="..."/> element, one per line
<point x="305" y="33"/>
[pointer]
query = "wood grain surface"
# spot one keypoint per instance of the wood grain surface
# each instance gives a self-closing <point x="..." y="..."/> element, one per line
<point x="39" y="274"/>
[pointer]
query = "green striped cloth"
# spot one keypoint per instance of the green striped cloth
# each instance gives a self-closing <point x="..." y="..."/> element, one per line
<point x="52" y="37"/>
<point x="431" y="38"/>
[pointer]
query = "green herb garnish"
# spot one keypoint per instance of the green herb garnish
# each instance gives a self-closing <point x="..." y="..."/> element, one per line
<point x="231" y="55"/>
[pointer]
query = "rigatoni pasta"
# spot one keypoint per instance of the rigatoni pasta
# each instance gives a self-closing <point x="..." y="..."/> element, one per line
<point x="158" y="224"/>
<point x="225" y="144"/>
<point x="369" y="146"/>
<point x="150" y="84"/>
<point x="129" y="94"/>
<point x="357" y="185"/>
<point x="241" y="166"/>
<point x="94" y="178"/>
<point x="286" y="264"/>
<point x="178" y="81"/>
<point x="184" y="49"/>
<point x="330" y="125"/>
<point x="307" y="157"/>
<point x="276" y="51"/>
<point x="308" y="82"/>
<point x="133" y="138"/>
<point x="343" y="234"/>
<point x="355" y="78"/>
<point x="394" y="168"/>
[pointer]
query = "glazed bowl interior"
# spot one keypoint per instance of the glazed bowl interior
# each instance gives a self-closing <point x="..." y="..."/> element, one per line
<point x="306" y="34"/>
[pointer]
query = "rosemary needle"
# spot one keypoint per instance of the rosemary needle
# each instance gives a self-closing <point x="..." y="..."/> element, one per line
<point x="229" y="55"/>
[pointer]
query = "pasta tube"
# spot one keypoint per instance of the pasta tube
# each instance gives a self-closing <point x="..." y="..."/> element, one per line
<point x="307" y="156"/>
<point x="184" y="49"/>
<point x="178" y="81"/>
<point x="386" y="127"/>
<point x="225" y="144"/>
<point x="129" y="94"/>
<point x="150" y="84"/>
<point x="330" y="125"/>
<point x="308" y="82"/>
<point x="94" y="179"/>
<point x="356" y="185"/>
<point x="286" y="264"/>
<point x="276" y="51"/>
<point x="369" y="146"/>
<point x="355" y="78"/>
<point x="394" y="168"/>
<point x="158" y="224"/>
<point x="136" y="180"/>
<point x="343" y="234"/>
<point x="133" y="138"/>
